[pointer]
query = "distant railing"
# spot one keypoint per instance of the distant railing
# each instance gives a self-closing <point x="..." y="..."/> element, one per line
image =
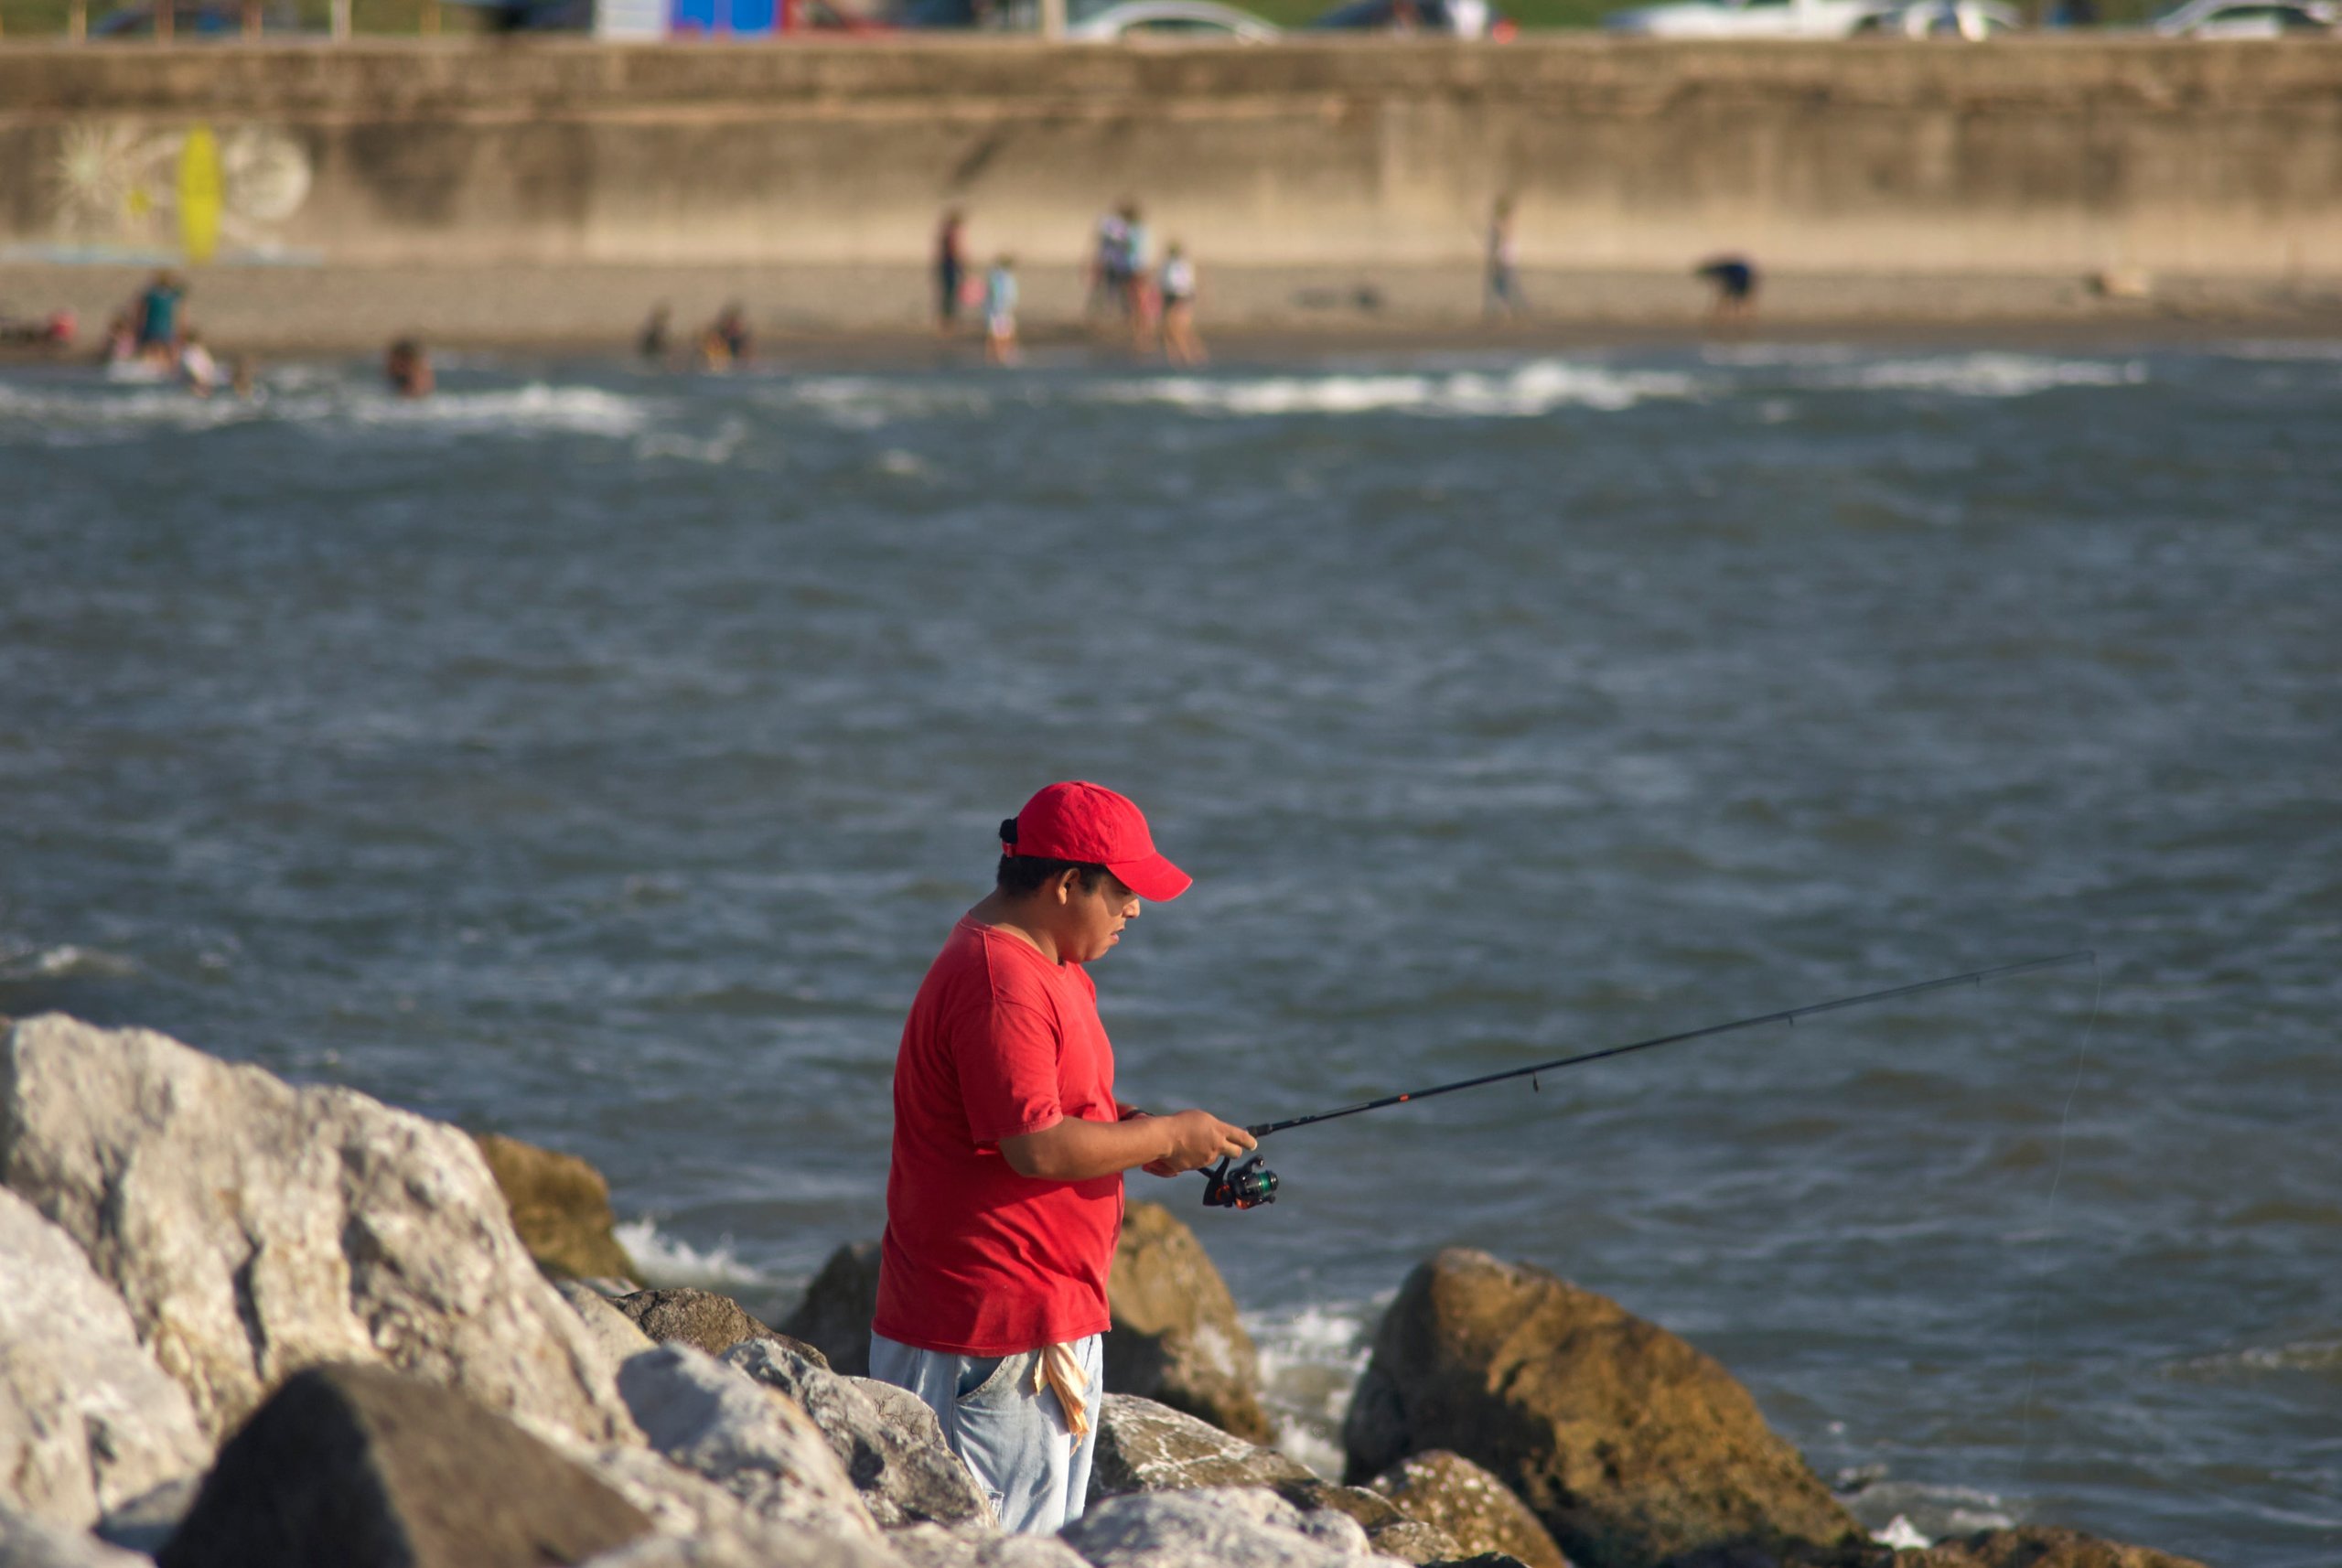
<point x="81" y="21"/>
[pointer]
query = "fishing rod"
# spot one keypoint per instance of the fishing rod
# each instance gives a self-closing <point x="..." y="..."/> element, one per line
<point x="1250" y="1185"/>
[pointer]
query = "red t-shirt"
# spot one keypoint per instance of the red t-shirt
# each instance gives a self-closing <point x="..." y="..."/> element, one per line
<point x="977" y="1259"/>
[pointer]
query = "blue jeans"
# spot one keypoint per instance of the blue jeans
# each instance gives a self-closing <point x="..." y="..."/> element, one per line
<point x="1016" y="1441"/>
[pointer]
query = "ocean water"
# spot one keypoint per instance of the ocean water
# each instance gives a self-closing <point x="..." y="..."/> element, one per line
<point x="600" y="757"/>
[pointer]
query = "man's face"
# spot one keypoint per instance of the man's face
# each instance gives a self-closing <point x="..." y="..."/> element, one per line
<point x="1094" y="919"/>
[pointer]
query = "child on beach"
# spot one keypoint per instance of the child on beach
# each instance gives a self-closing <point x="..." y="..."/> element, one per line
<point x="1000" y="312"/>
<point x="1180" y="344"/>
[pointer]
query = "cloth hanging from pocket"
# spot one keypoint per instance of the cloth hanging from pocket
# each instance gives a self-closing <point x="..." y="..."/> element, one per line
<point x="1057" y="1367"/>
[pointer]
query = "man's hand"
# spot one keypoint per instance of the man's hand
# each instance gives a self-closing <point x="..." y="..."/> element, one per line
<point x="1075" y="1150"/>
<point x="1198" y="1138"/>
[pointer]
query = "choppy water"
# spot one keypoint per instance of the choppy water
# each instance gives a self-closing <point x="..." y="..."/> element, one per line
<point x="601" y="758"/>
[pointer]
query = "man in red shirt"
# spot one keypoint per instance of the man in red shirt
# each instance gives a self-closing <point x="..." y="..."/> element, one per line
<point x="1004" y="1198"/>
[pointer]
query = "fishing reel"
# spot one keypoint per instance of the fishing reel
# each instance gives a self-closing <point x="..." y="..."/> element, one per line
<point x="1249" y="1185"/>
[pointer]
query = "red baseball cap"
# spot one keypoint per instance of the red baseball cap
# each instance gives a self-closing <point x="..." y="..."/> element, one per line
<point x="1091" y="823"/>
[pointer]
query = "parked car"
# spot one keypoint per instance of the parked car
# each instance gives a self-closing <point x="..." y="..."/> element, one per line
<point x="1453" y="18"/>
<point x="1172" y="20"/>
<point x="2246" y="19"/>
<point x="1751" y="19"/>
<point x="1974" y="20"/>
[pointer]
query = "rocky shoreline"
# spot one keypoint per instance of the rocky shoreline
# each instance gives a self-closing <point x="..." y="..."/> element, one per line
<point x="251" y="1324"/>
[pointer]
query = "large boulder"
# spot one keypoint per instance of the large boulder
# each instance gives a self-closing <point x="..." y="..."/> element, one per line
<point x="88" y="1420"/>
<point x="619" y="1338"/>
<point x="363" y="1467"/>
<point x="1449" y="1490"/>
<point x="1147" y="1447"/>
<point x="699" y="1318"/>
<point x="835" y="1318"/>
<point x="2038" y="1546"/>
<point x="1630" y="1445"/>
<point x="888" y="1440"/>
<point x="561" y="1209"/>
<point x="750" y="1440"/>
<point x="1208" y="1528"/>
<point x="29" y="1542"/>
<point x="253" y="1229"/>
<point x="1177" y="1339"/>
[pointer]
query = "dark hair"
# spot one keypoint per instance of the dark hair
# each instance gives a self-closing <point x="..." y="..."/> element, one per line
<point x="1023" y="874"/>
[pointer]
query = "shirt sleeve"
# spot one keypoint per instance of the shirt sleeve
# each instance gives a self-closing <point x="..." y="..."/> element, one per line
<point x="1007" y="1061"/>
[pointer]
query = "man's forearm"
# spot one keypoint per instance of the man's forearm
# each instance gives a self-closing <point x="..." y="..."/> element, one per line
<point x="1075" y="1150"/>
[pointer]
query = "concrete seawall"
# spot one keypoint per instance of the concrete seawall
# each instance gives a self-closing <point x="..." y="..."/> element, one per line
<point x="2040" y="156"/>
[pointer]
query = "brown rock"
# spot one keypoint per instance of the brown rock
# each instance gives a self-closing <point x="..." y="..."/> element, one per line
<point x="363" y="1467"/>
<point x="2038" y="1546"/>
<point x="1630" y="1445"/>
<point x="561" y="1207"/>
<point x="1176" y="1339"/>
<point x="835" y="1318"/>
<point x="704" y="1320"/>
<point x="1449" y="1490"/>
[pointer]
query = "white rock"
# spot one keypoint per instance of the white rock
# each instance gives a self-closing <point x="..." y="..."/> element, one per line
<point x="890" y="1443"/>
<point x="929" y="1545"/>
<point x="26" y="1542"/>
<point x="1200" y="1528"/>
<point x="253" y="1229"/>
<point x="87" y="1420"/>
<point x="758" y="1545"/>
<point x="754" y="1442"/>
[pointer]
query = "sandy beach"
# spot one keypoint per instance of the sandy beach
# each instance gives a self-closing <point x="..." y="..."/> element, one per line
<point x="879" y="312"/>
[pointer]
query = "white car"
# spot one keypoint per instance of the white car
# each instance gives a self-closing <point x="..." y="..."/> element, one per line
<point x="2246" y="19"/>
<point x="1171" y="19"/>
<point x="1974" y="20"/>
<point x="1750" y="19"/>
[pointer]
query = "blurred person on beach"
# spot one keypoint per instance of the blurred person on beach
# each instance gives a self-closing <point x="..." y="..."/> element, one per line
<point x="1000" y="312"/>
<point x="1177" y="285"/>
<point x="55" y="330"/>
<point x="408" y="368"/>
<point x="726" y="343"/>
<point x="951" y="271"/>
<point x="1141" y="305"/>
<point x="200" y="371"/>
<point x="1503" y="296"/>
<point x="652" y="343"/>
<point x="1005" y="1186"/>
<point x="1733" y="278"/>
<point x="158" y="312"/>
<point x="243" y="377"/>
<point x="1110" y="261"/>
<point x="122" y="342"/>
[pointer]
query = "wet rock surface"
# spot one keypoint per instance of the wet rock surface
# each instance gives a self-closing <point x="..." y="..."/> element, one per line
<point x="88" y="1420"/>
<point x="702" y="1319"/>
<point x="252" y="1228"/>
<point x="1175" y="1336"/>
<point x="561" y="1209"/>
<point x="2038" y="1546"/>
<point x="1449" y="1490"/>
<point x="363" y="1467"/>
<point x="1629" y="1445"/>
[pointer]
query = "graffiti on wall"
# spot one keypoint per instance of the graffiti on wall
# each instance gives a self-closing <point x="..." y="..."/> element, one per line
<point x="122" y="191"/>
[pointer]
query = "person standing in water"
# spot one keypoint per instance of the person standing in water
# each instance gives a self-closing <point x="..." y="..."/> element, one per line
<point x="1005" y="1186"/>
<point x="1503" y="297"/>
<point x="951" y="271"/>
<point x="408" y="368"/>
<point x="1000" y="312"/>
<point x="1180" y="344"/>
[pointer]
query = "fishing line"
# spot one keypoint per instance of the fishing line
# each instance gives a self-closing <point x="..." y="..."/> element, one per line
<point x="2049" y="1220"/>
<point x="1250" y="1185"/>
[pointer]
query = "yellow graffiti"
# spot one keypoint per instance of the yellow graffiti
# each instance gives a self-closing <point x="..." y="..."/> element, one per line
<point x="198" y="195"/>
